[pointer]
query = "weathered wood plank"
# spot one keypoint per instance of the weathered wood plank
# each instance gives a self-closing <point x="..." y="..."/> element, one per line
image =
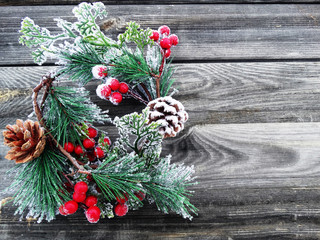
<point x="207" y="32"/>
<point x="212" y="93"/>
<point x="256" y="181"/>
<point x="162" y="2"/>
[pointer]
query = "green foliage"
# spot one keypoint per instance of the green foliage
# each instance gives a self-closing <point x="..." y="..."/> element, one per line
<point x="167" y="187"/>
<point x="166" y="79"/>
<point x="135" y="134"/>
<point x="35" y="36"/>
<point x="86" y="25"/>
<point x="67" y="107"/>
<point x="123" y="175"/>
<point x="137" y="35"/>
<point x="38" y="186"/>
<point x="77" y="65"/>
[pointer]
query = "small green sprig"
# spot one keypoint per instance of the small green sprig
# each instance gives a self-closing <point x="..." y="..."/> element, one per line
<point x="135" y="34"/>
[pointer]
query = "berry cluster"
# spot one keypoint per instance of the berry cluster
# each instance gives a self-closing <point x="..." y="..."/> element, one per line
<point x="167" y="40"/>
<point x="112" y="90"/>
<point x="91" y="149"/>
<point x="121" y="208"/>
<point x="80" y="197"/>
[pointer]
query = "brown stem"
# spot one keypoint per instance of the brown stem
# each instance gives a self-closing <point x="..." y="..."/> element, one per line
<point x="137" y="96"/>
<point x="147" y="91"/>
<point x="37" y="110"/>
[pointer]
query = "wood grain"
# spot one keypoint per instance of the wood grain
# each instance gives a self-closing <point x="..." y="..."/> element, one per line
<point x="211" y="93"/>
<point x="256" y="181"/>
<point x="207" y="32"/>
<point x="153" y="2"/>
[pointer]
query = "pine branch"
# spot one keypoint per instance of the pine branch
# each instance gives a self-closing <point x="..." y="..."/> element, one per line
<point x="38" y="186"/>
<point x="77" y="63"/>
<point x="168" y="186"/>
<point x="116" y="177"/>
<point x="66" y="108"/>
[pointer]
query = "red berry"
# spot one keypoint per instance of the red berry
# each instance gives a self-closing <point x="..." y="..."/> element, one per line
<point x="105" y="91"/>
<point x="165" y="43"/>
<point x="140" y="195"/>
<point x="61" y="210"/>
<point x="121" y="210"/>
<point x="174" y="39"/>
<point x="113" y="84"/>
<point x="78" y="150"/>
<point x="98" y="152"/>
<point x="116" y="98"/>
<point x="92" y="132"/>
<point x="91" y="157"/>
<point x="79" y="196"/>
<point x="93" y="214"/>
<point x="123" y="88"/>
<point x="122" y="199"/>
<point x="88" y="143"/>
<point x="70" y="207"/>
<point x="98" y="189"/>
<point x="69" y="147"/>
<point x="155" y="36"/>
<point x="99" y="71"/>
<point x="107" y="141"/>
<point x="167" y="53"/>
<point x="81" y="187"/>
<point x="91" y="201"/>
<point x="164" y="30"/>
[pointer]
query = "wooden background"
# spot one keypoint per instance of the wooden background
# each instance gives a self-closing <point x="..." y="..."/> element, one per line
<point x="249" y="76"/>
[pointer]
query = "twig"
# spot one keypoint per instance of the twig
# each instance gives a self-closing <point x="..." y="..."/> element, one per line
<point x="37" y="110"/>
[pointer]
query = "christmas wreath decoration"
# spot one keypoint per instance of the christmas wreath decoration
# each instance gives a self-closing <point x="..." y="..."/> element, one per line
<point x="63" y="161"/>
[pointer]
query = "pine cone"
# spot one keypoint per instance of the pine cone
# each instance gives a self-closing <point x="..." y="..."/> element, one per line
<point x="169" y="113"/>
<point x="27" y="141"/>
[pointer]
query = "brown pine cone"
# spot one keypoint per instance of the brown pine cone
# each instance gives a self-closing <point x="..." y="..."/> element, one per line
<point x="169" y="114"/>
<point x="27" y="141"/>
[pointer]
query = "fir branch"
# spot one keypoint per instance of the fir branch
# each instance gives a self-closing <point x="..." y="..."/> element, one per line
<point x="67" y="107"/>
<point x="167" y="187"/>
<point x="137" y="35"/>
<point x="122" y="176"/>
<point x="77" y="63"/>
<point x="38" y="186"/>
<point x="166" y="81"/>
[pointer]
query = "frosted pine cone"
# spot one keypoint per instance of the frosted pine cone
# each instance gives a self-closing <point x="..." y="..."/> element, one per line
<point x="169" y="114"/>
<point x="27" y="141"/>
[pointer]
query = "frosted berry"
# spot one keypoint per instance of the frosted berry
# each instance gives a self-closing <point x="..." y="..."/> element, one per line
<point x="93" y="214"/>
<point x="78" y="150"/>
<point x="174" y="39"/>
<point x="61" y="210"/>
<point x="164" y="30"/>
<point x="123" y="88"/>
<point x="98" y="152"/>
<point x="167" y="53"/>
<point x="116" y="98"/>
<point x="122" y="199"/>
<point x="91" y="201"/>
<point x="113" y="84"/>
<point x="81" y="187"/>
<point x="155" y="36"/>
<point x="99" y="71"/>
<point x="88" y="143"/>
<point x="70" y="207"/>
<point x="121" y="209"/>
<point x="105" y="91"/>
<point x="90" y="178"/>
<point x="140" y="195"/>
<point x="165" y="43"/>
<point x="79" y="196"/>
<point x="69" y="147"/>
<point x="107" y="141"/>
<point x="92" y="132"/>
